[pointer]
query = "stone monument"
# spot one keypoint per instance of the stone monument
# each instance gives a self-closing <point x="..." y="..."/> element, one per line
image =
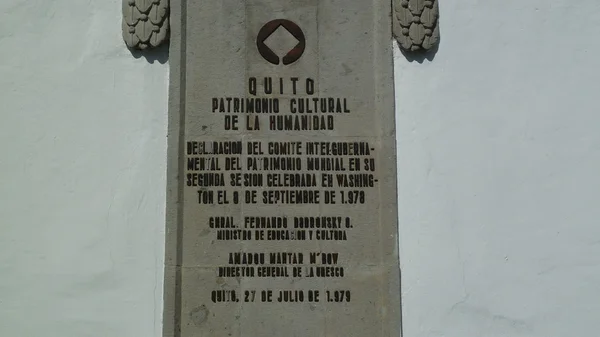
<point x="282" y="207"/>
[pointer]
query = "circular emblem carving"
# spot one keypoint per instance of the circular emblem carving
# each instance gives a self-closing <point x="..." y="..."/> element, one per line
<point x="268" y="29"/>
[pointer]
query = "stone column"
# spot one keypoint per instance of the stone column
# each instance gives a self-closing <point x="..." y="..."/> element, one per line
<point x="282" y="208"/>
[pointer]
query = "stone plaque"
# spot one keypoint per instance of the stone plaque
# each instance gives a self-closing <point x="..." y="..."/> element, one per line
<point x="282" y="211"/>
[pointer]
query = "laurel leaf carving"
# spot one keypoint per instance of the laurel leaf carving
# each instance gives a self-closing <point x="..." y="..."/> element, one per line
<point x="145" y="23"/>
<point x="416" y="24"/>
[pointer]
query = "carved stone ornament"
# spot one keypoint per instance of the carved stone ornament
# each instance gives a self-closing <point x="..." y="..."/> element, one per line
<point x="145" y="23"/>
<point x="416" y="24"/>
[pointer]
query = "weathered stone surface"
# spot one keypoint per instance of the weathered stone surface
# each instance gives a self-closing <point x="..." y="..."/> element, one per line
<point x="296" y="198"/>
<point x="145" y="23"/>
<point x="416" y="25"/>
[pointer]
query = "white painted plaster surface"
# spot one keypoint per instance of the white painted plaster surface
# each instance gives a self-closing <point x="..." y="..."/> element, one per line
<point x="82" y="171"/>
<point x="499" y="172"/>
<point x="499" y="154"/>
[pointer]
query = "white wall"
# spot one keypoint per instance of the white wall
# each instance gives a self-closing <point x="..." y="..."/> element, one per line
<point x="499" y="154"/>
<point x="82" y="174"/>
<point x="499" y="167"/>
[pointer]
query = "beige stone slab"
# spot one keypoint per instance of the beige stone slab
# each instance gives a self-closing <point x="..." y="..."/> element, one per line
<point x="326" y="268"/>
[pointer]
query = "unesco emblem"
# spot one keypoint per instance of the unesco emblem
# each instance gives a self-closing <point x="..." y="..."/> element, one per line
<point x="289" y="33"/>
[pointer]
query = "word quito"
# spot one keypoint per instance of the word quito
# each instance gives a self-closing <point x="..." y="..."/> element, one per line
<point x="307" y="112"/>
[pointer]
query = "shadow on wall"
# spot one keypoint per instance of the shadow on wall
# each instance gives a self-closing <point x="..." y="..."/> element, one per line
<point x="420" y="55"/>
<point x="159" y="54"/>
